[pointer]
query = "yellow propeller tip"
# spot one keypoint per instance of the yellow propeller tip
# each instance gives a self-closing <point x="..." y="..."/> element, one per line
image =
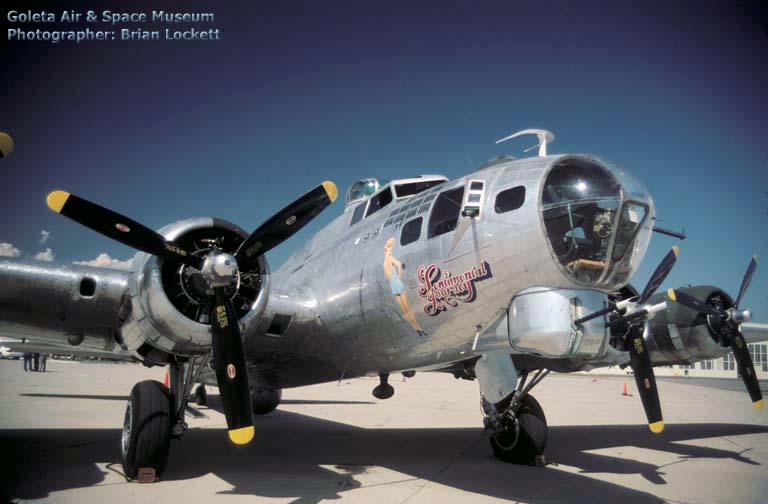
<point x="6" y="144"/>
<point x="676" y="251"/>
<point x="56" y="200"/>
<point x="656" y="427"/>
<point x="671" y="294"/>
<point x="759" y="404"/>
<point x="330" y="190"/>
<point x="241" y="436"/>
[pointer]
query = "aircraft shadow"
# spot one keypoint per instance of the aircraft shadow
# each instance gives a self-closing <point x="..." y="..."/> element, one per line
<point x="287" y="459"/>
<point x="80" y="396"/>
<point x="310" y="401"/>
<point x="214" y="402"/>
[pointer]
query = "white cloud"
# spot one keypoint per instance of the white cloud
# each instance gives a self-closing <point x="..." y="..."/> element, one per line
<point x="45" y="256"/>
<point x="8" y="250"/>
<point x="104" y="261"/>
<point x="44" y="235"/>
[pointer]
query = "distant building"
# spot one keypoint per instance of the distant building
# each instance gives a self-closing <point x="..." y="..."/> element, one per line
<point x="724" y="367"/>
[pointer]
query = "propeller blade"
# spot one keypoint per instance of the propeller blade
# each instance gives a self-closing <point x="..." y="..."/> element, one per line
<point x="118" y="227"/>
<point x="285" y="223"/>
<point x="231" y="370"/>
<point x="746" y="280"/>
<point x="640" y="362"/>
<point x="692" y="302"/>
<point x="658" y="276"/>
<point x="746" y="368"/>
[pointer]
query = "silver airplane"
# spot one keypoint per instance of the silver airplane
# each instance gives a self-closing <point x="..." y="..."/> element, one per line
<point x="515" y="270"/>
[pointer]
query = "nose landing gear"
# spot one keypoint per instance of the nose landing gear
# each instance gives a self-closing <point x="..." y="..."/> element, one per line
<point x="516" y="426"/>
<point x="518" y="437"/>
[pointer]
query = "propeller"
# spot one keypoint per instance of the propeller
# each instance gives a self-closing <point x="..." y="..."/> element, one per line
<point x="631" y="315"/>
<point x="119" y="227"/>
<point x="639" y="357"/>
<point x="220" y="270"/>
<point x="731" y="318"/>
<point x="285" y="223"/>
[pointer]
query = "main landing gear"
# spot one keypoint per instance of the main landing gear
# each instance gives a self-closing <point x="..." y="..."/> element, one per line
<point x="154" y="415"/>
<point x="516" y="426"/>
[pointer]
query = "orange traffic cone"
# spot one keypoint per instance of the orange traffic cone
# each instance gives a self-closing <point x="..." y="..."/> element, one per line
<point x="625" y="389"/>
<point x="167" y="381"/>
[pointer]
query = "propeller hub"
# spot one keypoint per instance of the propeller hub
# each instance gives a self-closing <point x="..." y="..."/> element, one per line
<point x="220" y="269"/>
<point x="739" y="316"/>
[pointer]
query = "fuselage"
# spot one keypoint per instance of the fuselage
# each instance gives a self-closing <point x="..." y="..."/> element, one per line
<point x="345" y="303"/>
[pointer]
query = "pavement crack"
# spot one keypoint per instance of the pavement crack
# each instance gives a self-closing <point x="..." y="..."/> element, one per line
<point x="442" y="470"/>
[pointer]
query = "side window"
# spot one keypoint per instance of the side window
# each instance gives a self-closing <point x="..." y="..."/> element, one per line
<point x="379" y="201"/>
<point x="445" y="212"/>
<point x="510" y="199"/>
<point x="358" y="214"/>
<point x="411" y="231"/>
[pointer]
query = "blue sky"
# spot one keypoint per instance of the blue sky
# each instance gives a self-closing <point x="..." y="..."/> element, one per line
<point x="297" y="93"/>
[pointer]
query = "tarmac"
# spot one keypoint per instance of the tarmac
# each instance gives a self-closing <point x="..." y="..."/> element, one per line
<point x="60" y="435"/>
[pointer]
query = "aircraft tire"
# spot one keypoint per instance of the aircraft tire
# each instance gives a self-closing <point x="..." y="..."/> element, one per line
<point x="146" y="428"/>
<point x="532" y="437"/>
<point x="264" y="400"/>
<point x="201" y="395"/>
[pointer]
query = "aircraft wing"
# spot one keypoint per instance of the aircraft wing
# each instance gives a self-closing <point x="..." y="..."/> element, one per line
<point x="62" y="308"/>
<point x="18" y="346"/>
<point x="754" y="332"/>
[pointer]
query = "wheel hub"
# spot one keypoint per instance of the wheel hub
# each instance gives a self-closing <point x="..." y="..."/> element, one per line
<point x="127" y="427"/>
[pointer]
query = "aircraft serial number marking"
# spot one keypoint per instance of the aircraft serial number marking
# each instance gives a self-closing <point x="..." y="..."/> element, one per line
<point x="221" y="315"/>
<point x="175" y="249"/>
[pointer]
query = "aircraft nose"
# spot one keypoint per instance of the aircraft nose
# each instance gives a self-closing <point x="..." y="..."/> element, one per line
<point x="598" y="221"/>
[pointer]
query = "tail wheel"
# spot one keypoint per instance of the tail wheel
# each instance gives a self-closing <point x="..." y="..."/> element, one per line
<point x="146" y="428"/>
<point x="521" y="445"/>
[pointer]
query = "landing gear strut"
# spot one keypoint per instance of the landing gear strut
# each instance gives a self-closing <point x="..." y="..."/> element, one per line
<point x="154" y="415"/>
<point x="516" y="426"/>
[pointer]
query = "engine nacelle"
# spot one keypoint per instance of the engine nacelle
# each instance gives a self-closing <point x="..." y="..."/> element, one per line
<point x="171" y="301"/>
<point x="684" y="336"/>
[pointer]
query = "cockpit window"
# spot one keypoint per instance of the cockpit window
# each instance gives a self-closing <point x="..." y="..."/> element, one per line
<point x="379" y="201"/>
<point x="591" y="230"/>
<point x="412" y="188"/>
<point x="445" y="212"/>
<point x="359" y="211"/>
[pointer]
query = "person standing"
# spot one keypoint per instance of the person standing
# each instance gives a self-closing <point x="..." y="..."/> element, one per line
<point x="27" y="361"/>
<point x="43" y="361"/>
<point x="37" y="361"/>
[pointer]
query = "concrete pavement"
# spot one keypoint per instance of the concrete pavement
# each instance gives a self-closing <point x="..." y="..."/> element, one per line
<point x="60" y="431"/>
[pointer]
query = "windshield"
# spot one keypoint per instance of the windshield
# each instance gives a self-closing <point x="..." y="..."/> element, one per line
<point x="592" y="231"/>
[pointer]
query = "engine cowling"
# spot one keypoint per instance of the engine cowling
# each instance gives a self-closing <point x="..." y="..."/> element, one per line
<point x="682" y="335"/>
<point x="170" y="302"/>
